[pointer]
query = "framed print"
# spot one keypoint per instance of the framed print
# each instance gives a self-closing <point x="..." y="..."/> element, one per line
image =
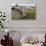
<point x="23" y="12"/>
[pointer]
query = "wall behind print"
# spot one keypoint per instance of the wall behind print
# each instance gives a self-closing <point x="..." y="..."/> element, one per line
<point x="40" y="21"/>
